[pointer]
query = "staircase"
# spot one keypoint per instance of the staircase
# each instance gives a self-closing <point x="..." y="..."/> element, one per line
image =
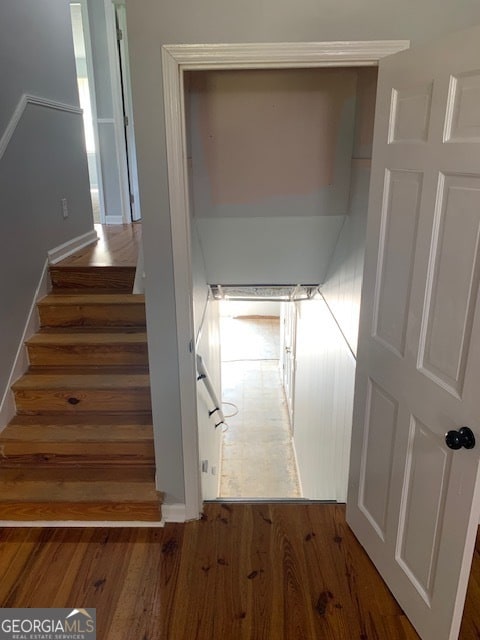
<point x="81" y="444"/>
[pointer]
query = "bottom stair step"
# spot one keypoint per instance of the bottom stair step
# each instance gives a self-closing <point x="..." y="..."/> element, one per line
<point x="51" y="441"/>
<point x="79" y="494"/>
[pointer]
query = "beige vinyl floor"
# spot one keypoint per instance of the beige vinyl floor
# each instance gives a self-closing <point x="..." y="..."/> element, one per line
<point x="257" y="453"/>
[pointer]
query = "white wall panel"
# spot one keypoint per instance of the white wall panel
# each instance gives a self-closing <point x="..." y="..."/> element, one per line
<point x="325" y="371"/>
<point x="343" y="284"/>
<point x="207" y="338"/>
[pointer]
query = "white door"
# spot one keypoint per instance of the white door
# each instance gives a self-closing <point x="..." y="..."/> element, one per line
<point x="413" y="502"/>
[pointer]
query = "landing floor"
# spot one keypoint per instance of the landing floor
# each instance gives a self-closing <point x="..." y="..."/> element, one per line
<point x="117" y="246"/>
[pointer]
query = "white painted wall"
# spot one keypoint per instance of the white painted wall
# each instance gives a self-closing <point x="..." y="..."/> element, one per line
<point x="151" y="24"/>
<point x="324" y="380"/>
<point x="343" y="284"/>
<point x="44" y="161"/>
<point x="285" y="250"/>
<point x="237" y="308"/>
<point x="207" y="339"/>
<point x="210" y="437"/>
<point x="270" y="155"/>
<point x="327" y="332"/>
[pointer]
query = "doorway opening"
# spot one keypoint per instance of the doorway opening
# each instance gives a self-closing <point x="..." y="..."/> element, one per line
<point x="86" y="92"/>
<point x="190" y="294"/>
<point x="279" y="167"/>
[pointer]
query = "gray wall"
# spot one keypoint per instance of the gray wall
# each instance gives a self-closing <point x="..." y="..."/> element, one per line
<point x="44" y="161"/>
<point x="152" y="23"/>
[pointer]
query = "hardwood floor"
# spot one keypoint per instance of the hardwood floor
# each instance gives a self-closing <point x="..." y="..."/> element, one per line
<point x="245" y="571"/>
<point x="258" y="571"/>
<point x="117" y="246"/>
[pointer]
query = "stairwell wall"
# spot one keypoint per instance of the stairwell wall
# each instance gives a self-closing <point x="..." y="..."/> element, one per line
<point x="41" y="162"/>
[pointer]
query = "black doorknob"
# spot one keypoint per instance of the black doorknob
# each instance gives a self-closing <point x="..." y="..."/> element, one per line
<point x="462" y="438"/>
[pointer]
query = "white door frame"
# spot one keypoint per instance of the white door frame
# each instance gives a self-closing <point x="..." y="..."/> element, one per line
<point x="93" y="101"/>
<point x="118" y="118"/>
<point x="176" y="59"/>
<point x="132" y="176"/>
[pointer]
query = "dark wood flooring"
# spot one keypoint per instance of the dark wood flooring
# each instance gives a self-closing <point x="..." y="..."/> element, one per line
<point x="257" y="572"/>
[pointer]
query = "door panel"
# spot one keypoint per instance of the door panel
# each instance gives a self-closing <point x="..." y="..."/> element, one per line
<point x="427" y="474"/>
<point x="410" y="113"/>
<point x="414" y="503"/>
<point x="463" y="115"/>
<point x="453" y="281"/>
<point x="403" y="191"/>
<point x="381" y="425"/>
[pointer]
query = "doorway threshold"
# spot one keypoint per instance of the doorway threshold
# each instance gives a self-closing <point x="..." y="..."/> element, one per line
<point x="270" y="501"/>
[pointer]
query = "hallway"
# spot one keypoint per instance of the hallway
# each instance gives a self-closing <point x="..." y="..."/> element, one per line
<point x="258" y="459"/>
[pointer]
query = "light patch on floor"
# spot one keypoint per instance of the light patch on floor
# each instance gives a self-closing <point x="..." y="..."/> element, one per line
<point x="257" y="459"/>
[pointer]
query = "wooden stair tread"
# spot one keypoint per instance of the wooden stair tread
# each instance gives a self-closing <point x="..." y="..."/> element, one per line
<point x="103" y="433"/>
<point x="77" y="485"/>
<point x="97" y="309"/>
<point x="88" y="369"/>
<point x="59" y="299"/>
<point x="81" y="511"/>
<point x="92" y="267"/>
<point x="136" y="475"/>
<point x="82" y="381"/>
<point x="88" y="338"/>
<point x="93" y="420"/>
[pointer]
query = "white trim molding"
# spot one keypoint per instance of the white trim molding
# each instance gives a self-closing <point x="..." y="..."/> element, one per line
<point x="114" y="219"/>
<point x="25" y="100"/>
<point x="93" y="103"/>
<point x="20" y="364"/>
<point x="282" y="55"/>
<point x="71" y="246"/>
<point x="174" y="512"/>
<point x="176" y="59"/>
<point x="118" y="117"/>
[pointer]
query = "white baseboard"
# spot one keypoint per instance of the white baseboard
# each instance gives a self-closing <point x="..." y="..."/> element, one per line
<point x="114" y="220"/>
<point x="81" y="523"/>
<point x="20" y="364"/>
<point x="174" y="512"/>
<point x="67" y="248"/>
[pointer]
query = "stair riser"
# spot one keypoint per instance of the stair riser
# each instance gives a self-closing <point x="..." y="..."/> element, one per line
<point x="92" y="315"/>
<point x="79" y="401"/>
<point x="118" y="279"/>
<point x="74" y="355"/>
<point x="34" y="454"/>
